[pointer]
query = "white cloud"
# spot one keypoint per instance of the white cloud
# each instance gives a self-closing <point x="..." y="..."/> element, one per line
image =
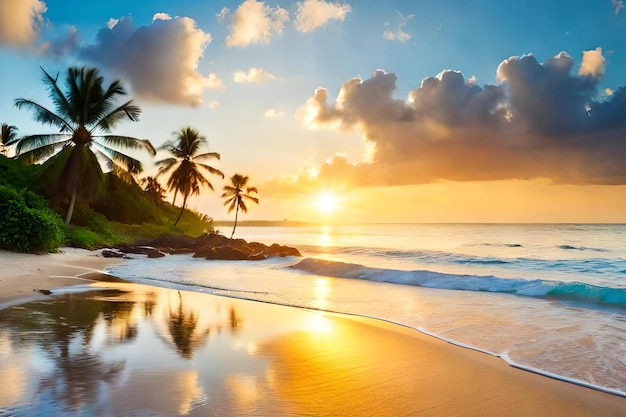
<point x="214" y="83"/>
<point x="254" y="75"/>
<point x="399" y="34"/>
<point x="21" y="21"/>
<point x="272" y="113"/>
<point x="161" y="16"/>
<point x="592" y="63"/>
<point x="254" y="22"/>
<point x="112" y="22"/>
<point x="214" y="104"/>
<point x="160" y="60"/>
<point x="223" y="14"/>
<point x="312" y="14"/>
<point x="618" y="4"/>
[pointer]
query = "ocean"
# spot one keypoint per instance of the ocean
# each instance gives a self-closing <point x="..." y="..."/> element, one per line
<point x="547" y="298"/>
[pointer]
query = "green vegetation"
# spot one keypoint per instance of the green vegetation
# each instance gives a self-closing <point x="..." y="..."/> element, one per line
<point x="26" y="222"/>
<point x="84" y="108"/>
<point x="60" y="174"/>
<point x="235" y="196"/>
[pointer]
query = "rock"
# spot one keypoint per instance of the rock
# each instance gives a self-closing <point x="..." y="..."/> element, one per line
<point x="111" y="253"/>
<point x="149" y="251"/>
<point x="210" y="246"/>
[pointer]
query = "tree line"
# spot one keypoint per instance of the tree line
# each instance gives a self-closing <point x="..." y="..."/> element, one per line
<point x="86" y="112"/>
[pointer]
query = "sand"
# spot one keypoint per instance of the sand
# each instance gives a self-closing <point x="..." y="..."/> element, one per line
<point x="278" y="360"/>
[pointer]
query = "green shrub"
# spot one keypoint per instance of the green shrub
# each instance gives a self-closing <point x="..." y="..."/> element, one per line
<point x="79" y="237"/>
<point x="26" y="222"/>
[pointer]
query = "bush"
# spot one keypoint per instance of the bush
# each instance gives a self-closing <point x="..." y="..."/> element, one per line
<point x="27" y="223"/>
<point x="78" y="237"/>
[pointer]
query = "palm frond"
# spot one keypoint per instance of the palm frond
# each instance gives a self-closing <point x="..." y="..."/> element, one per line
<point x="127" y="142"/>
<point x="41" y="153"/>
<point x="43" y="115"/>
<point x="249" y="197"/>
<point x="29" y="143"/>
<point x="59" y="99"/>
<point x="212" y="170"/>
<point x="208" y="155"/>
<point x="106" y="119"/>
<point x="129" y="163"/>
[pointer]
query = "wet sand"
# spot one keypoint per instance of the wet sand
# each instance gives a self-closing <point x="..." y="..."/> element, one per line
<point x="127" y="349"/>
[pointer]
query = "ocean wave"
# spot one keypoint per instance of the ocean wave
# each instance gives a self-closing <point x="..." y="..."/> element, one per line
<point x="422" y="278"/>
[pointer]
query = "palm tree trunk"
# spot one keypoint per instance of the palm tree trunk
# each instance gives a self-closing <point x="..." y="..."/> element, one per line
<point x="70" y="209"/>
<point x="174" y="199"/>
<point x="235" y="226"/>
<point x="182" y="209"/>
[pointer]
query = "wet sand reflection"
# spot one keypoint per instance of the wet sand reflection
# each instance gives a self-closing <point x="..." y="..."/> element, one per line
<point x="135" y="350"/>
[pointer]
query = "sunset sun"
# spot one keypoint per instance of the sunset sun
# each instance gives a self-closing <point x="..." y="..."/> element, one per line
<point x="326" y="203"/>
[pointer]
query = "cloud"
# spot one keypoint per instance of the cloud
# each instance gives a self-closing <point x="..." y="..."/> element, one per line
<point x="254" y="75"/>
<point x="399" y="34"/>
<point x="214" y="83"/>
<point x="542" y="120"/>
<point x="254" y="22"/>
<point x="214" y="105"/>
<point x="272" y="113"/>
<point x="313" y="14"/>
<point x="60" y="47"/>
<point x="21" y="21"/>
<point x="618" y="4"/>
<point x="592" y="64"/>
<point x="160" y="60"/>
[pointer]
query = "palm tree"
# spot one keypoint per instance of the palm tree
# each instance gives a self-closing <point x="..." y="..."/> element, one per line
<point x="235" y="196"/>
<point x="186" y="177"/>
<point x="8" y="135"/>
<point x="154" y="191"/>
<point x="82" y="110"/>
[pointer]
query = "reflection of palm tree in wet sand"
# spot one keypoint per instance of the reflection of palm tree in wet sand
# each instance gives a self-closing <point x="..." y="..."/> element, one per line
<point x="182" y="325"/>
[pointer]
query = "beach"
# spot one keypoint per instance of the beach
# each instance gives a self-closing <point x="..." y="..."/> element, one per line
<point x="130" y="349"/>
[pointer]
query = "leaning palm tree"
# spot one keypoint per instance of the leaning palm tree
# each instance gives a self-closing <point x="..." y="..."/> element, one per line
<point x="236" y="197"/>
<point x="7" y="137"/>
<point x="85" y="108"/>
<point x="186" y="177"/>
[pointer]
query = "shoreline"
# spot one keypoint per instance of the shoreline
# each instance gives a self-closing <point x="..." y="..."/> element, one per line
<point x="450" y="363"/>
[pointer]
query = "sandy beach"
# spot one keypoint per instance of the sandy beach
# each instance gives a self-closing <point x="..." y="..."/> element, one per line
<point x="213" y="355"/>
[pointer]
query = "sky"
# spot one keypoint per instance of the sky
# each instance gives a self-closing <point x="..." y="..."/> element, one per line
<point x="359" y="111"/>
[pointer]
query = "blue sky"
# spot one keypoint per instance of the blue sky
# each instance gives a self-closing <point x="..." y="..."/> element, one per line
<point x="246" y="74"/>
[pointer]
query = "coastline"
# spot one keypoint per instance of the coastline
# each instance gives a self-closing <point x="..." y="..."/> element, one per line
<point x="407" y="366"/>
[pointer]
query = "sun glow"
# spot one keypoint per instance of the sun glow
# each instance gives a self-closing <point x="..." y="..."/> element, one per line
<point x="326" y="203"/>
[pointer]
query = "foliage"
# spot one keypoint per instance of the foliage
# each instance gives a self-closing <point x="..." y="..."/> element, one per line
<point x="17" y="175"/>
<point x="84" y="108"/>
<point x="26" y="222"/>
<point x="153" y="189"/>
<point x="235" y="196"/>
<point x="186" y="177"/>
<point x="8" y="134"/>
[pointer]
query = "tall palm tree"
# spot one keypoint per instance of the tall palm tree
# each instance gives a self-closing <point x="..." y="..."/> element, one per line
<point x="186" y="177"/>
<point x="236" y="197"/>
<point x="8" y="135"/>
<point x="85" y="108"/>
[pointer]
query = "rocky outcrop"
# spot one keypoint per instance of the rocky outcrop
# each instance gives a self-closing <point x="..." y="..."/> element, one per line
<point x="211" y="246"/>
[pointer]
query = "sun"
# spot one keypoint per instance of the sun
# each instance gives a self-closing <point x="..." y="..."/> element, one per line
<point x="326" y="203"/>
